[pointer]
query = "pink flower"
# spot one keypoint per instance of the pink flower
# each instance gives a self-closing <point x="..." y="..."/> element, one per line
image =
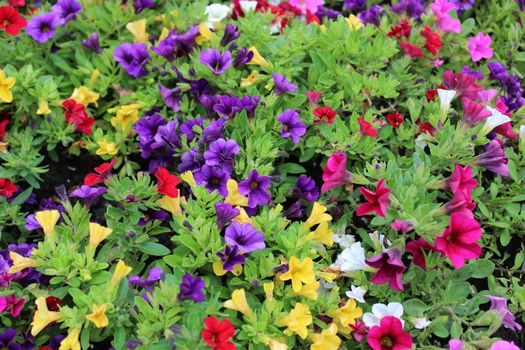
<point x="402" y="226"/>
<point x="455" y="344"/>
<point x="359" y="330"/>
<point x="411" y="50"/>
<point x="442" y="7"/>
<point x="335" y="173"/>
<point x="464" y="84"/>
<point x="461" y="203"/>
<point x="461" y="179"/>
<point x="419" y="250"/>
<point x="459" y="240"/>
<point x="389" y="335"/>
<point x="473" y="112"/>
<point x="307" y="5"/>
<point x="378" y="201"/>
<point x="504" y="345"/>
<point x="479" y="47"/>
<point x="313" y="97"/>
<point x="12" y="304"/>
<point x="486" y="96"/>
<point x="390" y="267"/>
<point x="445" y="22"/>
<point x="437" y="63"/>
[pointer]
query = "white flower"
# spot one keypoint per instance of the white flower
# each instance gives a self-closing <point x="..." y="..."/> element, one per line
<point x="343" y="240"/>
<point x="445" y="97"/>
<point x="379" y="311"/>
<point x="356" y="293"/>
<point x="216" y="12"/>
<point x="352" y="258"/>
<point x="496" y="119"/>
<point x="379" y="240"/>
<point x="421" y="323"/>
<point x="521" y="134"/>
<point x="248" y="5"/>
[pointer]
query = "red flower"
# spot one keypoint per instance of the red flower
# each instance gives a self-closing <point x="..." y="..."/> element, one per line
<point x="325" y="114"/>
<point x="11" y="21"/>
<point x="17" y="3"/>
<point x="7" y="188"/>
<point x="366" y="128"/>
<point x="433" y="41"/>
<point x="389" y="335"/>
<point x="412" y="50"/>
<point x="432" y="93"/>
<point x="378" y="201"/>
<point x="418" y="249"/>
<point x="217" y="333"/>
<point x="402" y="30"/>
<point x="53" y="303"/>
<point x="4" y="121"/>
<point x="426" y="127"/>
<point x="76" y="114"/>
<point x="394" y="119"/>
<point x="167" y="183"/>
<point x="102" y="172"/>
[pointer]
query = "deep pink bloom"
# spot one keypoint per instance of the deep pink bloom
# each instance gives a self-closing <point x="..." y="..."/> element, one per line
<point x="461" y="203"/>
<point x="389" y="335"/>
<point x="419" y="249"/>
<point x="411" y="50"/>
<point x="461" y="179"/>
<point x="464" y="84"/>
<point x="444" y="21"/>
<point x="455" y="344"/>
<point x="473" y="112"/>
<point x="12" y="304"/>
<point x="479" y="47"/>
<point x="307" y="5"/>
<point x="358" y="329"/>
<point x="390" y="268"/>
<point x="459" y="240"/>
<point x="402" y="226"/>
<point x="486" y="96"/>
<point x="378" y="201"/>
<point x="313" y="97"/>
<point x="335" y="173"/>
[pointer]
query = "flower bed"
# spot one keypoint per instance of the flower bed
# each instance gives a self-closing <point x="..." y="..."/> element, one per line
<point x="251" y="175"/>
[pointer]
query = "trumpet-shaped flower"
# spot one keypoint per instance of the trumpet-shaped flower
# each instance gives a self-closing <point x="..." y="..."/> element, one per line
<point x="479" y="47"/>
<point x="85" y="96"/>
<point x="42" y="316"/>
<point x="71" y="342"/>
<point x="335" y="173"/>
<point x="245" y="237"/>
<point x="352" y="258"/>
<point x="322" y="234"/>
<point x="234" y="197"/>
<point x="97" y="233"/>
<point x="327" y="340"/>
<point x="356" y="293"/>
<point x="47" y="219"/>
<point x="6" y="84"/>
<point x="298" y="320"/>
<point x="378" y="201"/>
<point x="390" y="268"/>
<point x="106" y="148"/>
<point x="238" y="303"/>
<point x="167" y="183"/>
<point x="445" y="98"/>
<point x="20" y="262"/>
<point x="98" y="316"/>
<point x="317" y="216"/>
<point x="389" y="335"/>
<point x="299" y="272"/>
<point x="138" y="30"/>
<point x="379" y="311"/>
<point x="346" y="314"/>
<point x="257" y="58"/>
<point x="121" y="271"/>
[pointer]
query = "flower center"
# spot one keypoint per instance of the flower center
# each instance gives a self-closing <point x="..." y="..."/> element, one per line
<point x="254" y="185"/>
<point x="6" y="22"/>
<point x="387" y="341"/>
<point x="45" y="28"/>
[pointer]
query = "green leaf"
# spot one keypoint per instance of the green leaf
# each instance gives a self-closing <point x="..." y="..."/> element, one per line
<point x="415" y="307"/>
<point x="21" y="198"/>
<point x="119" y="339"/>
<point x="152" y="248"/>
<point x="456" y="292"/>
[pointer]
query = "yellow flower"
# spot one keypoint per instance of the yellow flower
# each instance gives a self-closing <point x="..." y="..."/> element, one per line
<point x="346" y="314"/>
<point x="138" y="29"/>
<point x="84" y="95"/>
<point x="309" y="290"/>
<point x="6" y="84"/>
<point x="106" y="147"/>
<point x="268" y="290"/>
<point x="97" y="233"/>
<point x="299" y="271"/>
<point x="219" y="271"/>
<point x="47" y="219"/>
<point x="243" y="216"/>
<point x="71" y="341"/>
<point x="322" y="234"/>
<point x="275" y="345"/>
<point x="327" y="340"/>
<point x="126" y="115"/>
<point x="20" y="262"/>
<point x="250" y="79"/>
<point x="205" y="34"/>
<point x="171" y="204"/>
<point x="120" y="272"/>
<point x="317" y="215"/>
<point x="98" y="316"/>
<point x="238" y="302"/>
<point x="298" y="320"/>
<point x="43" y="107"/>
<point x="94" y="77"/>
<point x="163" y="34"/>
<point x="257" y="58"/>
<point x="327" y="276"/>
<point x="234" y="197"/>
<point x="42" y="316"/>
<point x="188" y="178"/>
<point x="354" y="23"/>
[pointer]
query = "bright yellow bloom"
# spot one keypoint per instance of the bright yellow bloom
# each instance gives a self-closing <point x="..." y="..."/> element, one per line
<point x="105" y="147"/>
<point x="250" y="79"/>
<point x="257" y="58"/>
<point x="218" y="269"/>
<point x="322" y="234"/>
<point x="171" y="204"/>
<point x="275" y="345"/>
<point x="98" y="316"/>
<point x="121" y="271"/>
<point x="317" y="215"/>
<point x="188" y="178"/>
<point x="327" y="340"/>
<point x="299" y="271"/>
<point x="97" y="233"/>
<point x="138" y="29"/>
<point x="238" y="302"/>
<point x="298" y="320"/>
<point x="268" y="290"/>
<point x="163" y="34"/>
<point x="309" y="290"/>
<point x="243" y="216"/>
<point x="84" y="95"/>
<point x="205" y="34"/>
<point x="6" y="84"/>
<point x="71" y="341"/>
<point x="327" y="276"/>
<point x="234" y="197"/>
<point x="126" y="115"/>
<point x="20" y="262"/>
<point x="43" y="107"/>
<point x="42" y="316"/>
<point x="47" y="219"/>
<point x="354" y="23"/>
<point x="346" y="314"/>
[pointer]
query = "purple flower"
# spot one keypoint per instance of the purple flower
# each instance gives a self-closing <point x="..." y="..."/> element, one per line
<point x="152" y="215"/>
<point x="191" y="160"/>
<point x="133" y="58"/>
<point x="67" y="10"/>
<point x="329" y="13"/>
<point x="282" y="85"/>
<point x="93" y="43"/>
<point x="88" y="194"/>
<point x="292" y="125"/>
<point x="372" y="15"/>
<point x="306" y="189"/>
<point x="147" y="128"/>
<point x="186" y="41"/>
<point x="355" y="5"/>
<point x="413" y="8"/>
<point x="500" y="305"/>
<point x="155" y="274"/>
<point x="215" y="61"/>
<point x="249" y="104"/>
<point x="227" y="106"/>
<point x="497" y="71"/>
<point x="231" y="257"/>
<point x="245" y="237"/>
<point x="213" y="131"/>
<point x="243" y="56"/>
<point x="256" y="188"/>
<point x="476" y="74"/>
<point x="141" y="5"/>
<point x="294" y="211"/>
<point x="191" y="288"/>
<point x="231" y="32"/>
<point x="31" y="223"/>
<point x="26" y="276"/>
<point x="390" y="269"/>
<point x="521" y="4"/>
<point x="42" y="27"/>
<point x="166" y="47"/>
<point x="462" y="5"/>
<point x="221" y="153"/>
<point x="493" y="159"/>
<point x="166" y="139"/>
<point x="213" y="179"/>
<point x="512" y="86"/>
<point x="225" y="213"/>
<point x="7" y="340"/>
<point x="171" y="97"/>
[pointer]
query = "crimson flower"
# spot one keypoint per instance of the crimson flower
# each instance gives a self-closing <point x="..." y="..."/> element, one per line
<point x="325" y="114"/>
<point x="461" y="203"/>
<point x="358" y="329"/>
<point x="102" y="172"/>
<point x="394" y="119"/>
<point x="218" y="333"/>
<point x="419" y="248"/>
<point x="378" y="201"/>
<point x="389" y="335"/>
<point x="7" y="188"/>
<point x="411" y="50"/>
<point x="426" y="127"/>
<point x="53" y="303"/>
<point x="432" y="93"/>
<point x="75" y="113"/>
<point x="366" y="128"/>
<point x="4" y="122"/>
<point x="459" y="240"/>
<point x="402" y="30"/>
<point x="167" y="183"/>
<point x="11" y="21"/>
<point x="433" y="41"/>
<point x="17" y="3"/>
<point x="464" y="84"/>
<point x="390" y="268"/>
<point x="335" y="173"/>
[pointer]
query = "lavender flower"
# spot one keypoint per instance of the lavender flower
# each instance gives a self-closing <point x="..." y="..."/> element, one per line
<point x="292" y="125"/>
<point x="354" y="5"/>
<point x="282" y="85"/>
<point x="187" y="128"/>
<point x="133" y="58"/>
<point x="141" y="5"/>
<point x="227" y="106"/>
<point x="225" y="213"/>
<point x="329" y="13"/>
<point x="245" y="237"/>
<point x="191" y="160"/>
<point x="155" y="274"/>
<point x="93" y="43"/>
<point x="231" y="32"/>
<point x="306" y="189"/>
<point x="67" y="10"/>
<point x="413" y="8"/>
<point x="231" y="257"/>
<point x="167" y="47"/>
<point x="493" y="159"/>
<point x="42" y="27"/>
<point x="213" y="179"/>
<point x="217" y="62"/>
<point x="88" y="194"/>
<point x="500" y="305"/>
<point x="372" y="15"/>
<point x="191" y="288"/>
<point x="222" y="153"/>
<point x="152" y="215"/>
<point x="256" y="188"/>
<point x="243" y="56"/>
<point x="171" y="97"/>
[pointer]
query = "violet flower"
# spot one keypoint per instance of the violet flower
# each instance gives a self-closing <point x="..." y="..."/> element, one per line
<point x="213" y="132"/>
<point x="141" y="5"/>
<point x="521" y="4"/>
<point x="390" y="268"/>
<point x="221" y="153"/>
<point x="476" y="74"/>
<point x="493" y="159"/>
<point x="354" y="5"/>
<point x="306" y="189"/>
<point x="292" y="125"/>
<point x="294" y="211"/>
<point x="191" y="288"/>
<point x="8" y="341"/>
<point x="249" y="104"/>
<point x="133" y="58"/>
<point x="231" y="257"/>
<point x="93" y="43"/>
<point x="463" y="5"/>
<point x="244" y="56"/>
<point x="282" y="85"/>
<point x="147" y="128"/>
<point x="231" y="32"/>
<point x="67" y="10"/>
<point x="213" y="179"/>
<point x="155" y="274"/>
<point x="187" y="128"/>
<point x="256" y="188"/>
<point x="225" y="213"/>
<point x="413" y="8"/>
<point x="217" y="62"/>
<point x="171" y="97"/>
<point x="245" y="237"/>
<point x="500" y="305"/>
<point x="497" y="70"/>
<point x="372" y="15"/>
<point x="191" y="160"/>
<point x="88" y="194"/>
<point x="42" y="27"/>
<point x="227" y="106"/>
<point x="166" y="138"/>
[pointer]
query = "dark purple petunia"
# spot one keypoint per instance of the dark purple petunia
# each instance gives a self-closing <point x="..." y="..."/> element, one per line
<point x="171" y="97"/>
<point x="521" y="4"/>
<point x="306" y="189"/>
<point x="282" y="85"/>
<point x="249" y="104"/>
<point x="8" y="341"/>
<point x="191" y="160"/>
<point x="93" y="43"/>
<point x="476" y="74"/>
<point x="225" y="213"/>
<point x="213" y="179"/>
<point x="155" y="274"/>
<point x="147" y="128"/>
<point x="413" y="8"/>
<point x="292" y="125"/>
<point x="329" y="13"/>
<point x="221" y="153"/>
<point x="188" y="127"/>
<point x="42" y="27"/>
<point x="372" y="15"/>
<point x="243" y="56"/>
<point x="141" y="5"/>
<point x="67" y="10"/>
<point x="166" y="138"/>
<point x="176" y="44"/>
<point x="497" y="70"/>
<point x="231" y="257"/>
<point x="227" y="106"/>
<point x="152" y="215"/>
<point x="88" y="194"/>
<point x="355" y="5"/>
<point x="256" y="188"/>
<point x="198" y="88"/>
<point x="191" y="288"/>
<point x="231" y="32"/>
<point x="186" y="41"/>
<point x="167" y="47"/>
<point x="133" y="58"/>
<point x="294" y="211"/>
<point x="244" y="236"/>
<point x="217" y="62"/>
<point x="213" y="131"/>
<point x="463" y="5"/>
<point x="493" y="159"/>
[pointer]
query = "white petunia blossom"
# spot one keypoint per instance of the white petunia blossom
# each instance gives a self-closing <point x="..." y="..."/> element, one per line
<point x="379" y="311"/>
<point x="496" y="119"/>
<point x="248" y="5"/>
<point x="352" y="258"/>
<point x="356" y="293"/>
<point x="445" y="98"/>
<point x="421" y="323"/>
<point x="216" y="12"/>
<point x="343" y="240"/>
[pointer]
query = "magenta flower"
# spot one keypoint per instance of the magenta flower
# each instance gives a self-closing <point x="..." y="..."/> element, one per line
<point x="419" y="250"/>
<point x="12" y="304"/>
<point x="500" y="305"/>
<point x="335" y="173"/>
<point x="464" y="84"/>
<point x="390" y="267"/>
<point x="461" y="179"/>
<point x="377" y="202"/>
<point x="402" y="226"/>
<point x="217" y="62"/>
<point x="504" y="345"/>
<point x="244" y="236"/>
<point x="459" y="240"/>
<point x="444" y="21"/>
<point x="479" y="47"/>
<point x="307" y="5"/>
<point x="461" y="203"/>
<point x="473" y="112"/>
<point x="389" y="335"/>
<point x="455" y="344"/>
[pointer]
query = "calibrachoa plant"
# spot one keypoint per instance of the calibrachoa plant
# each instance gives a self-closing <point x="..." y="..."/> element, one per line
<point x="315" y="174"/>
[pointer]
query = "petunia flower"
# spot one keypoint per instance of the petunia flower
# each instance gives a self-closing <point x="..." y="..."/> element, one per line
<point x="402" y="226"/>
<point x="327" y="340"/>
<point x="7" y="188"/>
<point x="102" y="172"/>
<point x="138" y="30"/>
<point x="43" y="316"/>
<point x="75" y="113"/>
<point x="366" y="128"/>
<point x="155" y="274"/>
<point x="245" y="237"/>
<point x="141" y="5"/>
<point x="225" y="213"/>
<point x="218" y="333"/>
<point x="493" y="159"/>
<point x="346" y="314"/>
<point x="133" y="57"/>
<point x="419" y="249"/>
<point x="12" y="304"/>
<point x="473" y="112"/>
<point x="504" y="345"/>
<point x="191" y="288"/>
<point x="494" y="120"/>
<point x="167" y="183"/>
<point x="213" y="179"/>
<point x="257" y="58"/>
<point x="372" y="15"/>
<point x="380" y="311"/>
<point x="377" y="202"/>
<point x="218" y="63"/>
<point x="121" y="271"/>
<point x="389" y="334"/>
<point x="479" y="47"/>
<point x="298" y="320"/>
<point x="351" y="258"/>
<point x="256" y="188"/>
<point x="71" y="342"/>
<point x="47" y="220"/>
<point x="413" y="8"/>
<point x="390" y="269"/>
<point x="97" y="233"/>
<point x="432" y="40"/>
<point x="292" y="126"/>
<point x="98" y="316"/>
<point x="461" y="179"/>
<point x="238" y="302"/>
<point x="67" y="10"/>
<point x="411" y="50"/>
<point x="231" y="32"/>
<point x="216" y="12"/>
<point x="42" y="27"/>
<point x="306" y="189"/>
<point x="6" y="84"/>
<point x="441" y="10"/>
<point x="324" y="115"/>
<point x="445" y="98"/>
<point x="500" y="305"/>
<point x="356" y="293"/>
<point x="282" y="85"/>
<point x="231" y="257"/>
<point x="8" y="340"/>
<point x="221" y="153"/>
<point x="307" y="5"/>
<point x="395" y="119"/>
<point x="299" y="272"/>
<point x="11" y="21"/>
